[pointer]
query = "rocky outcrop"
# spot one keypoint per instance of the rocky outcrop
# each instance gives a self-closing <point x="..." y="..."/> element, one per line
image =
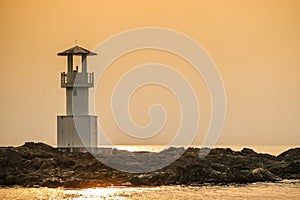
<point x="38" y="164"/>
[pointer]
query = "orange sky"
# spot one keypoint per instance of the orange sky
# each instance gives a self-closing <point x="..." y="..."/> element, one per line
<point x="255" y="44"/>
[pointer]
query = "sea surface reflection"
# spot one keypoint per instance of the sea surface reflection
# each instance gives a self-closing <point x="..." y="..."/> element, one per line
<point x="282" y="190"/>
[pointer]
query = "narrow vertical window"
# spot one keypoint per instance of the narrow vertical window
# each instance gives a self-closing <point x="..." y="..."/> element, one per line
<point x="75" y="92"/>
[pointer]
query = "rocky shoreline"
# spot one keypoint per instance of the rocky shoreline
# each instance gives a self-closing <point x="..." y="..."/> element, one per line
<point x="40" y="165"/>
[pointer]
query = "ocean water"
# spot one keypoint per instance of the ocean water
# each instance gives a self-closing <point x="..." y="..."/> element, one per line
<point x="282" y="190"/>
<point x="270" y="149"/>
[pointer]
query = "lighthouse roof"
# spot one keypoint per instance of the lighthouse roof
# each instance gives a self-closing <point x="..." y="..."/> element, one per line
<point x="77" y="50"/>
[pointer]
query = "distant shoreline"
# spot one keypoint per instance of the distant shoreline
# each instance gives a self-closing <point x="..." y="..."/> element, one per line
<point x="40" y="165"/>
<point x="270" y="149"/>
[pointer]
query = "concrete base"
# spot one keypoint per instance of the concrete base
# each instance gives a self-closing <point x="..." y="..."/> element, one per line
<point x="77" y="131"/>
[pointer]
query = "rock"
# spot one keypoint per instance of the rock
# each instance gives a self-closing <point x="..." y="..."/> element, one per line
<point x="247" y="151"/>
<point x="260" y="174"/>
<point x="39" y="145"/>
<point x="38" y="164"/>
<point x="291" y="154"/>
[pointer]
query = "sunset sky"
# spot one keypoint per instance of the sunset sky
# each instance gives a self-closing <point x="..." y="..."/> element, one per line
<point x="255" y="44"/>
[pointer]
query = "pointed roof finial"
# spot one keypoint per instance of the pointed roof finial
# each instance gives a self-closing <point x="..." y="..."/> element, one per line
<point x="75" y="42"/>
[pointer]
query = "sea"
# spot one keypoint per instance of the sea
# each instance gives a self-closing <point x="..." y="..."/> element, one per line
<point x="285" y="189"/>
<point x="270" y="149"/>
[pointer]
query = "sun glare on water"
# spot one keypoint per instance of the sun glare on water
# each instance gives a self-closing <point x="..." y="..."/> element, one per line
<point x="98" y="193"/>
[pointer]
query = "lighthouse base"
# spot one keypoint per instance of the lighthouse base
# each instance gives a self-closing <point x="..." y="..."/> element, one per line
<point x="77" y="132"/>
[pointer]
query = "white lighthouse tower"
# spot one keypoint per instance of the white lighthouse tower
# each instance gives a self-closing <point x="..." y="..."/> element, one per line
<point x="77" y="130"/>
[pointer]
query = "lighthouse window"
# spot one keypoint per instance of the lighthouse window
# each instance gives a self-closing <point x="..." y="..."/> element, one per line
<point x="75" y="92"/>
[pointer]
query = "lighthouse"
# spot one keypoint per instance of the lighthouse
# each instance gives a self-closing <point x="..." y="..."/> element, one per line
<point x="77" y="130"/>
